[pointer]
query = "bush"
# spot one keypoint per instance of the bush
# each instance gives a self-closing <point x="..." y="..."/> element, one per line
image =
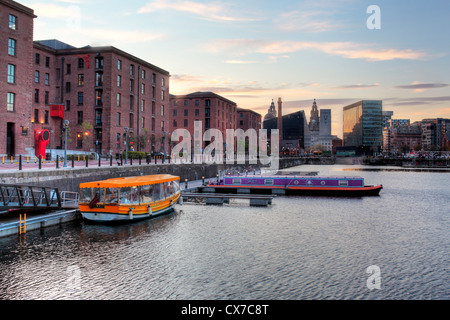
<point x="134" y="154"/>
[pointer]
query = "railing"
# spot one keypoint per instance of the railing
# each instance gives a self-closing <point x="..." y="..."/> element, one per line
<point x="18" y="196"/>
<point x="69" y="199"/>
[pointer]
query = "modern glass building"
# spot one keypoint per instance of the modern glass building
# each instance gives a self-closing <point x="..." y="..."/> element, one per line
<point x="295" y="127"/>
<point x="362" y="125"/>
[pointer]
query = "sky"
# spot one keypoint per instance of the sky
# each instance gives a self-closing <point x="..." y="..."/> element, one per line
<point x="253" y="51"/>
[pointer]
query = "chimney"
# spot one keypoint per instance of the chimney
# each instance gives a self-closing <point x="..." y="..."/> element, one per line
<point x="280" y="120"/>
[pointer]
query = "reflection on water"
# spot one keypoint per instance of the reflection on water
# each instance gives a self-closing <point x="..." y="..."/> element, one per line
<point x="300" y="248"/>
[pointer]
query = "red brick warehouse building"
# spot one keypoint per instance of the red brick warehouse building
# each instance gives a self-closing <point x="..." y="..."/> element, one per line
<point x="16" y="54"/>
<point x="103" y="90"/>
<point x="213" y="110"/>
<point x="248" y="119"/>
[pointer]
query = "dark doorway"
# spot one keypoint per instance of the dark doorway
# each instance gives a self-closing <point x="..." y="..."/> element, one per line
<point x="10" y="145"/>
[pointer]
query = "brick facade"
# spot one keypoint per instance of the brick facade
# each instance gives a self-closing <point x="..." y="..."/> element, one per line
<point x="213" y="110"/>
<point x="86" y="81"/>
<point x="248" y="119"/>
<point x="16" y="50"/>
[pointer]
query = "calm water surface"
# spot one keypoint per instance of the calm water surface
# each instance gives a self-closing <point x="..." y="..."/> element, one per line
<point x="299" y="248"/>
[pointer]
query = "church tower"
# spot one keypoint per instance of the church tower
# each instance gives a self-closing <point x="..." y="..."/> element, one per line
<point x="314" y="119"/>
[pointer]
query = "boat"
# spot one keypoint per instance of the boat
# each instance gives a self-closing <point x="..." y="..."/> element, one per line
<point x="307" y="185"/>
<point x="129" y="198"/>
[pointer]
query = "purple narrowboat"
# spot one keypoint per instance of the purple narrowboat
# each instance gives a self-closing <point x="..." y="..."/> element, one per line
<point x="310" y="185"/>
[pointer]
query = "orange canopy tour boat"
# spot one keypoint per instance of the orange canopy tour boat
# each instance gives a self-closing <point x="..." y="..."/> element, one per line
<point x="129" y="198"/>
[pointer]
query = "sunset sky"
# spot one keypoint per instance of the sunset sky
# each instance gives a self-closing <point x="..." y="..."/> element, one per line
<point x="256" y="50"/>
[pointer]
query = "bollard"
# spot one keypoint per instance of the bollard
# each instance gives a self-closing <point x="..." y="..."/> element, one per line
<point x="131" y="161"/>
<point x="87" y="160"/>
<point x="28" y="159"/>
<point x="40" y="162"/>
<point x="57" y="161"/>
<point x="110" y="161"/>
<point x="20" y="162"/>
<point x="12" y="161"/>
<point x="78" y="158"/>
<point x="140" y="159"/>
<point x="73" y="161"/>
<point x="155" y="159"/>
<point x="99" y="161"/>
<point x="3" y="160"/>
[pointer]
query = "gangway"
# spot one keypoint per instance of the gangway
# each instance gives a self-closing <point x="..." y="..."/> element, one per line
<point x="29" y="197"/>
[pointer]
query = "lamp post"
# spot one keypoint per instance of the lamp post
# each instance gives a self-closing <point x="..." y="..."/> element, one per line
<point x="126" y="145"/>
<point x="66" y="127"/>
<point x="164" y="146"/>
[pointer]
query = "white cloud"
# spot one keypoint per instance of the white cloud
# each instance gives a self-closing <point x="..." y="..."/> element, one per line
<point x="210" y="11"/>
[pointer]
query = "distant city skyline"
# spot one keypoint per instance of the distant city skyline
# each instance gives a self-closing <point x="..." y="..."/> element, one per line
<point x="254" y="51"/>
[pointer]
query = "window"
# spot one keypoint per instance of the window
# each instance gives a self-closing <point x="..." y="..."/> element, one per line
<point x="197" y="103"/>
<point x="185" y="123"/>
<point x="143" y="122"/>
<point x="119" y="64"/>
<point x="174" y="123"/>
<point x="47" y="79"/>
<point x="36" y="115"/>
<point x="163" y="94"/>
<point x="80" y="98"/>
<point x="12" y="22"/>
<point x="67" y="105"/>
<point x="186" y="112"/>
<point x="119" y="81"/>
<point x="98" y="117"/>
<point x="153" y="93"/>
<point x="81" y="80"/>
<point x="153" y="124"/>
<point x="153" y="108"/>
<point x="11" y="102"/>
<point x="131" y="70"/>
<point x="162" y="111"/>
<point x="163" y="82"/>
<point x="46" y="97"/>
<point x="37" y="58"/>
<point x="142" y="88"/>
<point x="143" y="74"/>
<point x="99" y="63"/>
<point x="132" y="85"/>
<point x="268" y="181"/>
<point x="162" y="125"/>
<point x="46" y="114"/>
<point x="98" y="97"/>
<point x="236" y="181"/>
<point x="11" y="47"/>
<point x="186" y="103"/>
<point x="11" y="73"/>
<point x="99" y="79"/>
<point x="118" y="118"/>
<point x="343" y="182"/>
<point x="36" y="76"/>
<point x="47" y="62"/>
<point x="80" y="63"/>
<point x="153" y="78"/>
<point x="143" y="105"/>
<point x="174" y="113"/>
<point x="36" y="95"/>
<point x="197" y="112"/>
<point x="131" y="120"/>
<point x="69" y="68"/>
<point x="67" y="87"/>
<point x="118" y="99"/>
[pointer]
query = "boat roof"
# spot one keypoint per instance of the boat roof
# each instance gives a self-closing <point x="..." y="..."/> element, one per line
<point x="123" y="182"/>
<point x="292" y="177"/>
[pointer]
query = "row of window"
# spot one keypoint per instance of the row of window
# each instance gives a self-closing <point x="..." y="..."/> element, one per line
<point x="143" y="73"/>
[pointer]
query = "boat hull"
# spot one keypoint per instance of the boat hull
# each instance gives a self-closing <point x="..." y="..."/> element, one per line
<point x="309" y="191"/>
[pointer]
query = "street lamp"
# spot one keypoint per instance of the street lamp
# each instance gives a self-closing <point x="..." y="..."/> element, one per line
<point x="126" y="144"/>
<point x="66" y="127"/>
<point x="164" y="146"/>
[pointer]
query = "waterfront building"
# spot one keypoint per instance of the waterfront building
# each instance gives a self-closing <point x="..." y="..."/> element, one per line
<point x="16" y="36"/>
<point x="295" y="127"/>
<point x="387" y="116"/>
<point x="434" y="133"/>
<point x="402" y="138"/>
<point x="213" y="110"/>
<point x="362" y="126"/>
<point x="248" y="119"/>
<point x="103" y="92"/>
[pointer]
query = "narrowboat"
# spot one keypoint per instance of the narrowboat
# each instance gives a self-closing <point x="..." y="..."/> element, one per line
<point x="129" y="198"/>
<point x="308" y="185"/>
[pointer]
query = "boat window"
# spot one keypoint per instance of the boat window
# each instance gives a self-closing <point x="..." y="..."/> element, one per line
<point x="236" y="181"/>
<point x="99" y="192"/>
<point x="86" y="195"/>
<point x="268" y="181"/>
<point x="166" y="192"/>
<point x="147" y="193"/>
<point x="343" y="182"/>
<point x="111" y="195"/>
<point x="176" y="186"/>
<point x="158" y="192"/>
<point x="129" y="195"/>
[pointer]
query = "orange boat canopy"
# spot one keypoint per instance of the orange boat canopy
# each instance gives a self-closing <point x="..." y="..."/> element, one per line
<point x="124" y="182"/>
